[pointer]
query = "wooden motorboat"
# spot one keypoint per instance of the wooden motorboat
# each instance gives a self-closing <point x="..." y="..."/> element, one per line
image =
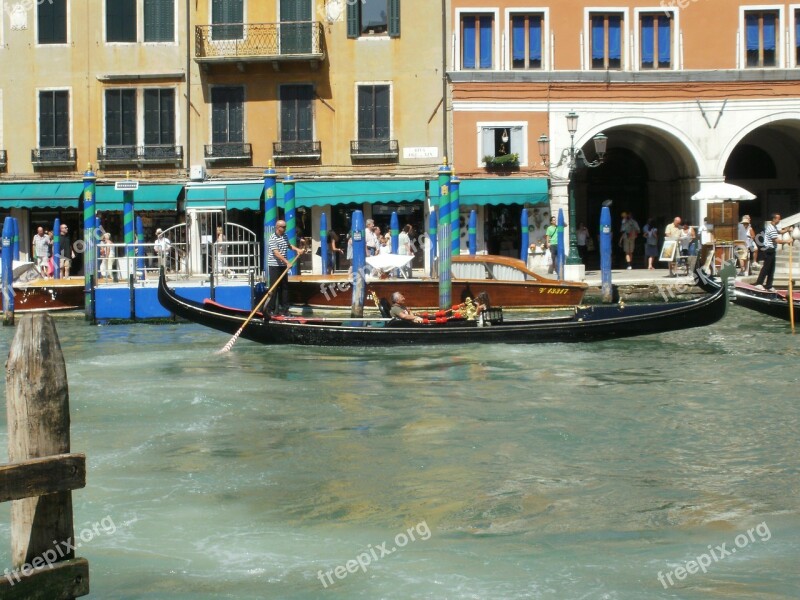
<point x="507" y="281"/>
<point x="33" y="293"/>
<point x="775" y="304"/>
<point x="580" y="323"/>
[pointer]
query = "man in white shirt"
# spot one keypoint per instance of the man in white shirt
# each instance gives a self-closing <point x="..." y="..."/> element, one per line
<point x="370" y="238"/>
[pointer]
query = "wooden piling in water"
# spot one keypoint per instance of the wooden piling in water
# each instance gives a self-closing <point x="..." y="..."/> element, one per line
<point x="42" y="473"/>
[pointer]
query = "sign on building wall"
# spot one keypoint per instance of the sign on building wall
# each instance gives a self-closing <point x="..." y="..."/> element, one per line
<point x="421" y="152"/>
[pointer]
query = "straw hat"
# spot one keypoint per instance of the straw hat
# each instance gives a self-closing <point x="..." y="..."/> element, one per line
<point x="746" y="219"/>
<point x="159" y="231"/>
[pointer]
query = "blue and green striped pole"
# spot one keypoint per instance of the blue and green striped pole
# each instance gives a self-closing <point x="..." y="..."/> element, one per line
<point x="525" y="241"/>
<point x="89" y="248"/>
<point x="432" y="225"/>
<point x="323" y="241"/>
<point x="290" y="217"/>
<point x="359" y="285"/>
<point x="128" y="222"/>
<point x="15" y="240"/>
<point x="8" y="272"/>
<point x="445" y="283"/>
<point x="560" y="254"/>
<point x="140" y="248"/>
<point x="394" y="227"/>
<point x="473" y="232"/>
<point x="270" y="213"/>
<point x="57" y="249"/>
<point x="455" y="216"/>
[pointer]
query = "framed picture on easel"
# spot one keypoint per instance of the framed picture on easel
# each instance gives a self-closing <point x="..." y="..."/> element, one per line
<point x="669" y="251"/>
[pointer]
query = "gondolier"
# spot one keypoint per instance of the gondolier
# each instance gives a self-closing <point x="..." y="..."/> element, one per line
<point x="771" y="240"/>
<point x="278" y="262"/>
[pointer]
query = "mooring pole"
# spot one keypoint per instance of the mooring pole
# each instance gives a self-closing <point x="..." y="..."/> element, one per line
<point x="8" y="272"/>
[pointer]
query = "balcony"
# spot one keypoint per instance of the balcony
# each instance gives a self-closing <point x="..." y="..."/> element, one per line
<point x="241" y="43"/>
<point x="3" y="159"/>
<point x="228" y="152"/>
<point x="54" y="157"/>
<point x="366" y="149"/>
<point x="297" y="150"/>
<point x="159" y="154"/>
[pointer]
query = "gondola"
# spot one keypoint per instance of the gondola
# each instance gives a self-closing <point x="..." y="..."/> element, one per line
<point x="580" y="323"/>
<point x="775" y="304"/>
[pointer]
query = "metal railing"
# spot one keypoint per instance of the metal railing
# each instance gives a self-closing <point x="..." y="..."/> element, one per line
<point x="374" y="148"/>
<point x="300" y="39"/>
<point x="296" y="149"/>
<point x="54" y="156"/>
<point x="228" y="151"/>
<point x="161" y="153"/>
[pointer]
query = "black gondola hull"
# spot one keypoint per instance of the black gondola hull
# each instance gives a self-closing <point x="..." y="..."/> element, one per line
<point x="582" y="324"/>
<point x="768" y="303"/>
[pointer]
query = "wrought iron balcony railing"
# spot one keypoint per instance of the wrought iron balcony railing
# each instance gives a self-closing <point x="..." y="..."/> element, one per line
<point x="149" y="154"/>
<point x="228" y="151"/>
<point x="296" y="150"/>
<point x="54" y="157"/>
<point x="3" y="159"/>
<point x="374" y="148"/>
<point x="296" y="40"/>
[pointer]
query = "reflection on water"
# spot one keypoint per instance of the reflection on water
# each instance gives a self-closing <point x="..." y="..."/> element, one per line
<point x="551" y="471"/>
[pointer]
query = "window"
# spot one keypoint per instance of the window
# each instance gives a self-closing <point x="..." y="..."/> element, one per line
<point x="225" y="14"/>
<point x="498" y="140"/>
<point x="606" y="41"/>
<point x="54" y="119"/>
<point x="656" y="41"/>
<point x="373" y="112"/>
<point x="121" y="118"/>
<point x="373" y="17"/>
<point x="476" y="41"/>
<point x="297" y="117"/>
<point x="120" y="20"/>
<point x="159" y="117"/>
<point x="760" y="38"/>
<point x="227" y="115"/>
<point x="51" y="20"/>
<point x="159" y="20"/>
<point x="526" y="41"/>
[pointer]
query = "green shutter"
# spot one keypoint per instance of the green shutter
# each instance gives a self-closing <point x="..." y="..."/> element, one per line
<point x="51" y="19"/>
<point x="394" y="18"/>
<point x="151" y="118"/>
<point x="121" y="20"/>
<point x="113" y="118"/>
<point x="61" y="119"/>
<point x="128" y="117"/>
<point x="159" y="20"/>
<point x="46" y="120"/>
<point x="167" y="116"/>
<point x="354" y="19"/>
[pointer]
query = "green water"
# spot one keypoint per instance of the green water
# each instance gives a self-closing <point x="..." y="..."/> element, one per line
<point x="549" y="471"/>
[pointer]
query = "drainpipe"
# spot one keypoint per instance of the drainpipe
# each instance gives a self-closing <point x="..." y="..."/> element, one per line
<point x="188" y="84"/>
<point x="445" y="146"/>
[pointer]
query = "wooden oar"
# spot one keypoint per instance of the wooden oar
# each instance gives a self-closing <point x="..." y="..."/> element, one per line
<point x="232" y="341"/>
<point x="791" y="294"/>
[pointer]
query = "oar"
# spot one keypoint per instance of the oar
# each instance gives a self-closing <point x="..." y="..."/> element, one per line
<point x="791" y="294"/>
<point x="232" y="341"/>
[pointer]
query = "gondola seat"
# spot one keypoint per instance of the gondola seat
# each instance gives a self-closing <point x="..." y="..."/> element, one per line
<point x="385" y="308"/>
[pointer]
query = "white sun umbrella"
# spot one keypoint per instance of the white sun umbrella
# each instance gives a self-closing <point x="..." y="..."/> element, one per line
<point x="719" y="192"/>
<point x="387" y="262"/>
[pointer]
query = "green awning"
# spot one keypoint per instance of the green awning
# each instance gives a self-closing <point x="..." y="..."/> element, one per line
<point x="40" y="195"/>
<point x="516" y="190"/>
<point x="234" y="196"/>
<point x="147" y="197"/>
<point x="322" y="193"/>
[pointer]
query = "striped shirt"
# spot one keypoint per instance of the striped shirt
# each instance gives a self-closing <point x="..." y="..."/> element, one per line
<point x="279" y="243"/>
<point x="770" y="235"/>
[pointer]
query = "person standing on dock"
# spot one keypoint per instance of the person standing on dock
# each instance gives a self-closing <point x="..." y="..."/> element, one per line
<point x="673" y="232"/>
<point x="551" y="242"/>
<point x="67" y="251"/>
<point x="772" y="238"/>
<point x="41" y="251"/>
<point x="278" y="262"/>
<point x="161" y="247"/>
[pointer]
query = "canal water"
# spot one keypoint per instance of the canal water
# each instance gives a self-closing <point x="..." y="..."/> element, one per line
<point x="657" y="467"/>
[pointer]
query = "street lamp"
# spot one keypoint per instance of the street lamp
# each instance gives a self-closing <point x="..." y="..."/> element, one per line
<point x="574" y="158"/>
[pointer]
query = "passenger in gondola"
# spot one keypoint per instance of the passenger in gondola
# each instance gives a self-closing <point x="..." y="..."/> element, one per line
<point x="399" y="310"/>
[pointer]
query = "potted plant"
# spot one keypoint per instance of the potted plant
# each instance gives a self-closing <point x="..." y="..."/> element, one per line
<point x="502" y="161"/>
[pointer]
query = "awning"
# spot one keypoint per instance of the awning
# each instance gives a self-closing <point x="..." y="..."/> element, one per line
<point x="322" y="193"/>
<point x="516" y="190"/>
<point x="40" y="195"/>
<point x="147" y="197"/>
<point x="233" y="196"/>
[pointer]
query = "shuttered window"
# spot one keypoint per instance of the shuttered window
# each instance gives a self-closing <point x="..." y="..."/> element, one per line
<point x="761" y="38"/>
<point x="477" y="44"/>
<point x="120" y="117"/>
<point x="227" y="115"/>
<point x="159" y="20"/>
<point x="159" y="117"/>
<point x="606" y="41"/>
<point x="51" y="21"/>
<point x="373" y="112"/>
<point x="225" y="14"/>
<point x="54" y="119"/>
<point x="373" y="17"/>
<point x="120" y="20"/>
<point x="297" y="117"/>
